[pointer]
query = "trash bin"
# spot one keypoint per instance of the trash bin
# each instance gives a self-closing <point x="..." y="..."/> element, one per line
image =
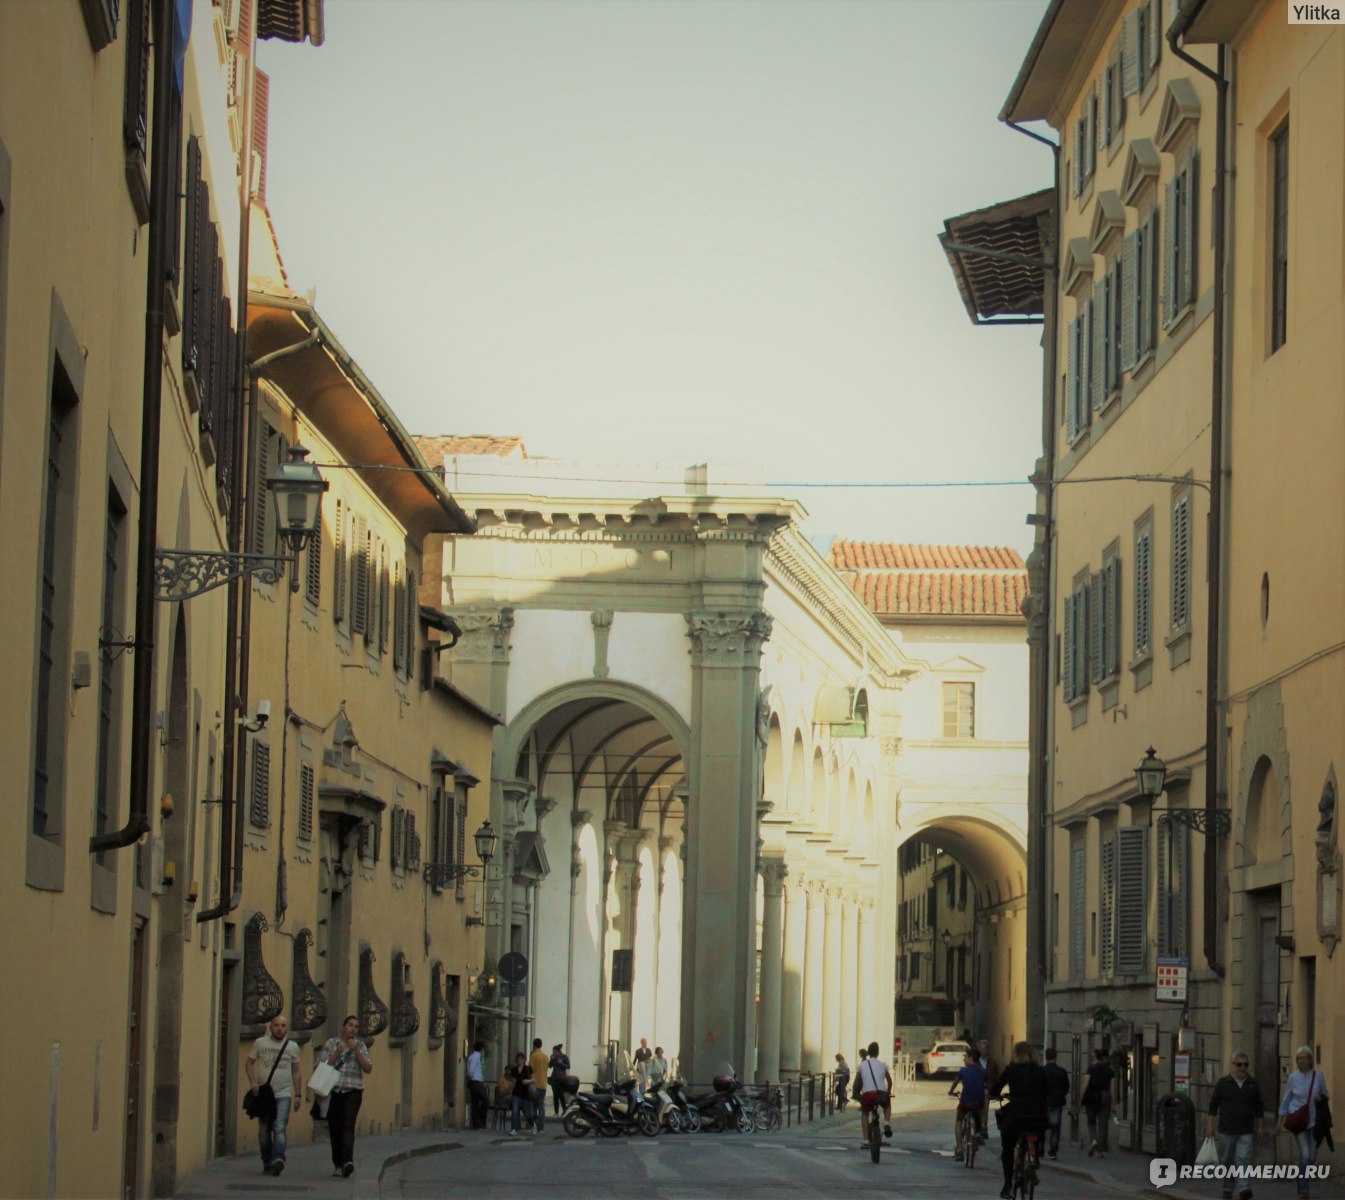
<point x="1177" y="1129"/>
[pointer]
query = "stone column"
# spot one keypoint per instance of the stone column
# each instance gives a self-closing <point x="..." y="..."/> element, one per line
<point x="791" y="982"/>
<point x="850" y="979"/>
<point x="832" y="984"/>
<point x="814" y="969"/>
<point x="773" y="873"/>
<point x="868" y="949"/>
<point x="719" y="936"/>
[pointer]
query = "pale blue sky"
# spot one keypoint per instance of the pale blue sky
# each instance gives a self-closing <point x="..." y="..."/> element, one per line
<point x="676" y="231"/>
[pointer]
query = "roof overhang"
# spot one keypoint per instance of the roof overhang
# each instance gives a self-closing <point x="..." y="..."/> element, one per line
<point x="291" y="20"/>
<point x="1060" y="41"/>
<point x="1200" y="22"/>
<point x="999" y="258"/>
<point x="335" y="395"/>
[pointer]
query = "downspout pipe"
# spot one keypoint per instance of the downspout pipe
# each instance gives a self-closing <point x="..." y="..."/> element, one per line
<point x="163" y="194"/>
<point x="1214" y="617"/>
<point x="1041" y="773"/>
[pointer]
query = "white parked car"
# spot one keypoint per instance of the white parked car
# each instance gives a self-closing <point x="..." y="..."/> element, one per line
<point x="945" y="1058"/>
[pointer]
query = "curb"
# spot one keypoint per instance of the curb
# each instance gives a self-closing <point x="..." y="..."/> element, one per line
<point x="371" y="1187"/>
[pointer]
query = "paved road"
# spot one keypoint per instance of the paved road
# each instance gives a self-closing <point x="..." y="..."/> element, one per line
<point x="809" y="1162"/>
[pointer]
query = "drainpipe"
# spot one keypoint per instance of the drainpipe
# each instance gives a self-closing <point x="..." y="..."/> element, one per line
<point x="1040" y="832"/>
<point x="163" y="194"/>
<point x="1214" y="619"/>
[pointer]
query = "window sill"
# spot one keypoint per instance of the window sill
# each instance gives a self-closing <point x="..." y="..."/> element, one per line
<point x="1078" y="710"/>
<point x="1179" y="646"/>
<point x="1109" y="690"/>
<point x="1142" y="670"/>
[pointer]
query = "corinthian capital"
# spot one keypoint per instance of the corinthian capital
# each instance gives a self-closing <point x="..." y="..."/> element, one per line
<point x="485" y="634"/>
<point x="774" y="872"/>
<point x="727" y="638"/>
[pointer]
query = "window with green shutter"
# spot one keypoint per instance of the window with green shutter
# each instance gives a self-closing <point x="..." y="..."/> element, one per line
<point x="1132" y="899"/>
<point x="259" y="810"/>
<point x="307" y="796"/>
<point x="1181" y="563"/>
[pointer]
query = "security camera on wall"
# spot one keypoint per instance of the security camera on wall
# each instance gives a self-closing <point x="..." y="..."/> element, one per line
<point x="257" y="722"/>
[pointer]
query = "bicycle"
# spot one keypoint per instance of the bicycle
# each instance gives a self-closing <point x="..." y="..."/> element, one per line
<point x="1025" y="1158"/>
<point x="877" y="1115"/>
<point x="971" y="1135"/>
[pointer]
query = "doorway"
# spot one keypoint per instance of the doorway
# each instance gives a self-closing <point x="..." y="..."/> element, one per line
<point x="1265" y="1050"/>
<point x="135" y="1050"/>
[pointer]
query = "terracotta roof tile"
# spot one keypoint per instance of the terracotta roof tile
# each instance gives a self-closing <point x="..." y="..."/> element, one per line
<point x="436" y="448"/>
<point x="940" y="593"/>
<point x="895" y="556"/>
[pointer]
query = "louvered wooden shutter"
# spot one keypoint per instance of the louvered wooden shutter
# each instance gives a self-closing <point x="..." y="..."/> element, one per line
<point x="259" y="812"/>
<point x="413" y="843"/>
<point x="1112" y="634"/>
<point x="1143" y="592"/>
<point x="1191" y="221"/>
<point x="412" y="620"/>
<point x="1077" y="932"/>
<point x="1083" y="623"/>
<point x="1077" y="180"/>
<point x="193" y="253"/>
<point x="1181" y="563"/>
<point x="1169" y="251"/>
<point x="1068" y="649"/>
<point x="339" y="565"/>
<point x="383" y="605"/>
<point x="359" y="579"/>
<point x="260" y="500"/>
<point x="1098" y="367"/>
<point x="261" y="103"/>
<point x="460" y="840"/>
<point x="135" y="110"/>
<point x="307" y="790"/>
<point x="399" y="619"/>
<point x="1129" y="298"/>
<point x="1072" y="380"/>
<point x="1155" y="33"/>
<point x="1132" y="899"/>
<point x="1130" y="54"/>
<point x="1107" y="904"/>
<point x="1097" y="619"/>
<point x="313" y="580"/>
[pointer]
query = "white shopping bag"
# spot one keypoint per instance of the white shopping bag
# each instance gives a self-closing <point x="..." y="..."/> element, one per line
<point x="1208" y="1155"/>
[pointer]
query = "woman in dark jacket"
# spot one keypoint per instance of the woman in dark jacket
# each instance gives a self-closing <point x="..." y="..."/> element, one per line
<point x="1026" y="1084"/>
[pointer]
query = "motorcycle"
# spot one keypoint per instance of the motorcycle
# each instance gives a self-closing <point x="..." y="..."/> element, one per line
<point x="611" y="1113"/>
<point x="724" y="1109"/>
<point x="689" y="1116"/>
<point x="669" y="1115"/>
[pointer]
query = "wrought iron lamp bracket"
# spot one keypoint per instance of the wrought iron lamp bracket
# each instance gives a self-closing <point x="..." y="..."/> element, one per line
<point x="441" y="874"/>
<point x="1218" y="821"/>
<point x="183" y="574"/>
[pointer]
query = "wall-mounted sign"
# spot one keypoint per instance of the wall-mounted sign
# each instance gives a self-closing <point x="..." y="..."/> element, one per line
<point x="1170" y="979"/>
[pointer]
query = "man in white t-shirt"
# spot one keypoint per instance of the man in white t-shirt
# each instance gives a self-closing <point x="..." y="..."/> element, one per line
<point x="875" y="1091"/>
<point x="285" y="1083"/>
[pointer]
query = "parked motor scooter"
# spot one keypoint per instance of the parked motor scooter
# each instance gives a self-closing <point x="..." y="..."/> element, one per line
<point x="622" y="1110"/>
<point x="689" y="1114"/>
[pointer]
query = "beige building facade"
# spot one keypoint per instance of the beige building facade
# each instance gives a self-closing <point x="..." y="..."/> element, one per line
<point x="1186" y="264"/>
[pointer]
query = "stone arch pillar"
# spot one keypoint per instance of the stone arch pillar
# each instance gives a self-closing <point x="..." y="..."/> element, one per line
<point x="773" y="873"/>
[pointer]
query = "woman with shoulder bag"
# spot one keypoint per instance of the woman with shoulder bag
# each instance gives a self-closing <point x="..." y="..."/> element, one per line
<point x="1298" y="1110"/>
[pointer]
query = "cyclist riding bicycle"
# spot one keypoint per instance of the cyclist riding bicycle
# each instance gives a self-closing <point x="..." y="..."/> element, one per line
<point x="875" y="1091"/>
<point x="1026" y="1111"/>
<point x="971" y="1099"/>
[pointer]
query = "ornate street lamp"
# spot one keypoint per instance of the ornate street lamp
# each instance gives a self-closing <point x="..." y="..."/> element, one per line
<point x="1151" y="774"/>
<point x="297" y="488"/>
<point x="440" y="874"/>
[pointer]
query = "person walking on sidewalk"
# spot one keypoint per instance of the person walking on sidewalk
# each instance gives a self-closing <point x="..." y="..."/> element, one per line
<point x="476" y="1084"/>
<point x="349" y="1055"/>
<point x="1097" y="1103"/>
<point x="1298" y="1111"/>
<point x="539" y="1062"/>
<point x="1057" y="1097"/>
<point x="274" y="1060"/>
<point x="520" y="1097"/>
<point x="1237" y="1107"/>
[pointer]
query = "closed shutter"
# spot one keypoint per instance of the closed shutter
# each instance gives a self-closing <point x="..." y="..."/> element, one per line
<point x="1097" y="613"/>
<point x="193" y="254"/>
<point x="1143" y="592"/>
<point x="1098" y="367"/>
<point x="260" y="500"/>
<point x="399" y="620"/>
<point x="259" y="811"/>
<point x="135" y="111"/>
<point x="1129" y="298"/>
<point x="1132" y="899"/>
<point x="383" y="606"/>
<point x="1117" y="301"/>
<point x="1067" y="649"/>
<point x="459" y="847"/>
<point x="412" y="620"/>
<point x="1191" y="221"/>
<point x="307" y="788"/>
<point x="1181" y="563"/>
<point x="1107" y="904"/>
<point x="1155" y="33"/>
<point x="1087" y="363"/>
<point x="359" y="578"/>
<point x="412" y="843"/>
<point x="339" y="565"/>
<point x="1169" y="251"/>
<point x="1078" y="157"/>
<point x="1078" y="881"/>
<point x="1130" y="54"/>
<point x="1072" y="380"/>
<point x="1112" y="635"/>
<point x="313" y="580"/>
<point x="1180" y="883"/>
<point x="1083" y="619"/>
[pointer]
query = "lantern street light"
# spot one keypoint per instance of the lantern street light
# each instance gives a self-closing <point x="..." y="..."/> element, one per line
<point x="1151" y="774"/>
<point x="440" y="874"/>
<point x="297" y="488"/>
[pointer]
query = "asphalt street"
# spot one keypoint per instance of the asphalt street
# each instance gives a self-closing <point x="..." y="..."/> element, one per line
<point x="809" y="1161"/>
